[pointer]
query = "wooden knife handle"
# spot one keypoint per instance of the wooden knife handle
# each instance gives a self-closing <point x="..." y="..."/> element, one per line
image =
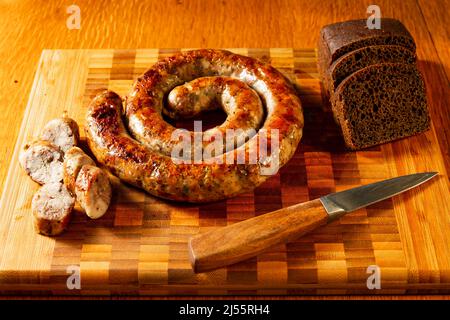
<point x="242" y="240"/>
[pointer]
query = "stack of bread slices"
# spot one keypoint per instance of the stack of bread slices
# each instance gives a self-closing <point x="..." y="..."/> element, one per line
<point x="377" y="93"/>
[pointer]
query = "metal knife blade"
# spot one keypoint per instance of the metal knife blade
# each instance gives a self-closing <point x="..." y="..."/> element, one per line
<point x="339" y="203"/>
<point x="239" y="241"/>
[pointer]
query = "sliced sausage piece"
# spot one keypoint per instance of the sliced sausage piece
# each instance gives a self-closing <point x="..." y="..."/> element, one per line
<point x="93" y="191"/>
<point x="52" y="206"/>
<point x="73" y="152"/>
<point x="74" y="159"/>
<point x="62" y="132"/>
<point x="43" y="162"/>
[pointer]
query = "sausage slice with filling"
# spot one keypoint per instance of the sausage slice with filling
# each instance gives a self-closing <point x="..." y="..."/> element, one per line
<point x="62" y="132"/>
<point x="93" y="191"/>
<point x="74" y="160"/>
<point x="52" y="206"/>
<point x="43" y="162"/>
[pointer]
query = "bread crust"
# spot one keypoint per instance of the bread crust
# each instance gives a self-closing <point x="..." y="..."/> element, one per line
<point x="363" y="57"/>
<point x="340" y="38"/>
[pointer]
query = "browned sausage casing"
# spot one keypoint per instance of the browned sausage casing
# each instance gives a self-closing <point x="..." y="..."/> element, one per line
<point x="142" y="164"/>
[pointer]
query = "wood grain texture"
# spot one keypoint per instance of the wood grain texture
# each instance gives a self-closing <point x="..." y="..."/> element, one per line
<point x="140" y="245"/>
<point x="240" y="241"/>
<point x="438" y="30"/>
<point x="27" y="28"/>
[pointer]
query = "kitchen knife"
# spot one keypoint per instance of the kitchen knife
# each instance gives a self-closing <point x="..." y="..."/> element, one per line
<point x="242" y="240"/>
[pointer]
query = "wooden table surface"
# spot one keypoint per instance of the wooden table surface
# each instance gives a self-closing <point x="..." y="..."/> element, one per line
<point x="28" y="27"/>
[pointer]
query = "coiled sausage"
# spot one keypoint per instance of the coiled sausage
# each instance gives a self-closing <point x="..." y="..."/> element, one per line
<point x="142" y="159"/>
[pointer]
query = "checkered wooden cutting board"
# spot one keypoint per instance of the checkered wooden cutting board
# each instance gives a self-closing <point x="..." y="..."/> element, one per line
<point x="140" y="245"/>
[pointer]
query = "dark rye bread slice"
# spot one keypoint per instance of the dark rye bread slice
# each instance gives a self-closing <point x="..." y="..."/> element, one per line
<point x="381" y="103"/>
<point x="340" y="38"/>
<point x="363" y="57"/>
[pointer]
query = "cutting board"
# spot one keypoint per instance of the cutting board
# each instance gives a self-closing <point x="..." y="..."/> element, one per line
<point x="140" y="245"/>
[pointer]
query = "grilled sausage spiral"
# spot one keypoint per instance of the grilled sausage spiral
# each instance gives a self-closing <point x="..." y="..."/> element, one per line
<point x="190" y="81"/>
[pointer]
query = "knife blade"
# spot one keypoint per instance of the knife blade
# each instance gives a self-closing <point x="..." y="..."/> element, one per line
<point x="339" y="203"/>
<point x="242" y="240"/>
